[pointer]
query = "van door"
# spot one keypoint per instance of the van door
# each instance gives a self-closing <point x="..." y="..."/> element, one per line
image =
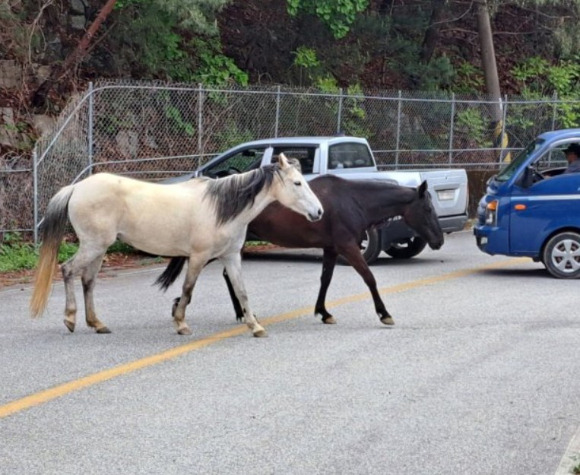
<point x="548" y="205"/>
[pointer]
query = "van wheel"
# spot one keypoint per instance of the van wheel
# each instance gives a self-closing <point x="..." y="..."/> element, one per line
<point x="407" y="249"/>
<point x="562" y="255"/>
<point x="370" y="247"/>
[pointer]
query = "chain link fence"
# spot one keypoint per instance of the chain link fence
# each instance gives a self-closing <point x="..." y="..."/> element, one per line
<point x="153" y="131"/>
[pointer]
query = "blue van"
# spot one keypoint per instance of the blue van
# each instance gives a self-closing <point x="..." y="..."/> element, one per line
<point x="532" y="208"/>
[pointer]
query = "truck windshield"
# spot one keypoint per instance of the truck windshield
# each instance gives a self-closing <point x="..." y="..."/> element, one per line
<point x="520" y="158"/>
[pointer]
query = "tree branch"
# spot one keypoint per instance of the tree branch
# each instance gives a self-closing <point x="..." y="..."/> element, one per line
<point x="60" y="71"/>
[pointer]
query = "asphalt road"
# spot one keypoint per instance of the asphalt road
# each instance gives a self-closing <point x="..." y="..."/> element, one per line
<point x="479" y="375"/>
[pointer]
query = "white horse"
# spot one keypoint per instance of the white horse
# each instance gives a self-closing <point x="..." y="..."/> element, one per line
<point x="201" y="219"/>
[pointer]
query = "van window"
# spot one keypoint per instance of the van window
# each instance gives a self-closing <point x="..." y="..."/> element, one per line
<point x="552" y="159"/>
<point x="509" y="170"/>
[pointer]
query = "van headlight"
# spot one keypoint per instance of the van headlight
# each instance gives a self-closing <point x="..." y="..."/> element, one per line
<point x="491" y="213"/>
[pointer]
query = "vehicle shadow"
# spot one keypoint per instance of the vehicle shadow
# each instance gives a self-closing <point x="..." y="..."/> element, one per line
<point x="520" y="273"/>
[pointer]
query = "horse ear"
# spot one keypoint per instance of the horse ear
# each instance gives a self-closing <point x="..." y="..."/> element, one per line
<point x="283" y="161"/>
<point x="422" y="189"/>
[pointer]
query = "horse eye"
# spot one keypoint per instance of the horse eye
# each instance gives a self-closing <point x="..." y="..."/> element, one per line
<point x="298" y="183"/>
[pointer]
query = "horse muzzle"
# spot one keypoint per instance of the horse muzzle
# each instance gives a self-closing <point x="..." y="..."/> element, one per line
<point x="436" y="245"/>
<point x="316" y="216"/>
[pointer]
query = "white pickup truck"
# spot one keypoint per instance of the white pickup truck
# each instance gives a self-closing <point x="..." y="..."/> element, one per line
<point x="352" y="158"/>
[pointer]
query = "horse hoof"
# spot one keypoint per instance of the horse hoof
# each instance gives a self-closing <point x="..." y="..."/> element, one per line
<point x="184" y="331"/>
<point x="103" y="330"/>
<point x="261" y="334"/>
<point x="69" y="325"/>
<point x="388" y="320"/>
<point x="329" y="320"/>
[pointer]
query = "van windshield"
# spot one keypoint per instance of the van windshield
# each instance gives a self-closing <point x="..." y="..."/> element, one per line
<point x="521" y="157"/>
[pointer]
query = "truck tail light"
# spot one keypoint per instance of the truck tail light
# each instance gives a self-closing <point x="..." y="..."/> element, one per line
<point x="491" y="213"/>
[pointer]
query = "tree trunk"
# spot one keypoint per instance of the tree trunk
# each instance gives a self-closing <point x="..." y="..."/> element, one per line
<point x="432" y="34"/>
<point x="59" y="71"/>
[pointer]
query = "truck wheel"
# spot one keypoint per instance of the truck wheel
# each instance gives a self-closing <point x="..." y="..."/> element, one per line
<point x="562" y="255"/>
<point x="407" y="249"/>
<point x="370" y="247"/>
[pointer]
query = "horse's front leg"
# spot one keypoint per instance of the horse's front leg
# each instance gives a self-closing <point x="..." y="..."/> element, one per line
<point x="194" y="268"/>
<point x="233" y="264"/>
<point x="328" y="262"/>
<point x="352" y="254"/>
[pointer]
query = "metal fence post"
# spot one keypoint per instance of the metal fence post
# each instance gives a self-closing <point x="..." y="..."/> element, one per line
<point x="35" y="196"/>
<point x="200" y="119"/>
<point x="398" y="138"/>
<point x="554" y="109"/>
<point x="277" y="112"/>
<point x="339" y="115"/>
<point x="90" y="128"/>
<point x="451" y="126"/>
<point x="554" y="114"/>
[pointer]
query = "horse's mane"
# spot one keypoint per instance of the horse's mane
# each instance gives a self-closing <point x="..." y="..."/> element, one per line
<point x="232" y="195"/>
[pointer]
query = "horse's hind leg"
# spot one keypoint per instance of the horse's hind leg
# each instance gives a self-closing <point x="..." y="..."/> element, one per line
<point x="233" y="265"/>
<point x="70" y="307"/>
<point x="352" y="254"/>
<point x="328" y="263"/>
<point x="194" y="268"/>
<point x="71" y="269"/>
<point x="88" y="279"/>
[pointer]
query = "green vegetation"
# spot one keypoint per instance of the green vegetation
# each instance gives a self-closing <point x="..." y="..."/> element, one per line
<point x="539" y="79"/>
<point x="338" y="15"/>
<point x="174" y="41"/>
<point x="17" y="254"/>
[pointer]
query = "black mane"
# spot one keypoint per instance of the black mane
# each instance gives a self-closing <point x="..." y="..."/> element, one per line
<point x="232" y="195"/>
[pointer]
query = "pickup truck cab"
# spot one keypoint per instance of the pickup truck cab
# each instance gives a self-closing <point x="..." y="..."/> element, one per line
<point x="352" y="158"/>
<point x="532" y="208"/>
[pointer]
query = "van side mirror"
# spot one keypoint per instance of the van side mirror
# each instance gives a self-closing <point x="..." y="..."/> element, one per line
<point x="529" y="177"/>
<point x="526" y="178"/>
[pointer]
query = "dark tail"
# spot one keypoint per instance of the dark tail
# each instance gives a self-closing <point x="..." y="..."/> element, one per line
<point x="51" y="232"/>
<point x="171" y="272"/>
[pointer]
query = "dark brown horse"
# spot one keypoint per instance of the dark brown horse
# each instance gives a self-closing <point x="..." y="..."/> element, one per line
<point x="350" y="208"/>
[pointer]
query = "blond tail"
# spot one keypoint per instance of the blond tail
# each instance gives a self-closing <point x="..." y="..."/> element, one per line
<point x="51" y="233"/>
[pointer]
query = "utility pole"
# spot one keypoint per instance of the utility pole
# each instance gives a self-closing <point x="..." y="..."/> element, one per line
<point x="491" y="77"/>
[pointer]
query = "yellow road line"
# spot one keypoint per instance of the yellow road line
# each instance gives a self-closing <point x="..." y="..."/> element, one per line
<point x="87" y="381"/>
<point x="426" y="281"/>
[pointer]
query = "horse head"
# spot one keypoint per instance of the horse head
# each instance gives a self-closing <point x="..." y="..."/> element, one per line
<point x="294" y="192"/>
<point x="421" y="216"/>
